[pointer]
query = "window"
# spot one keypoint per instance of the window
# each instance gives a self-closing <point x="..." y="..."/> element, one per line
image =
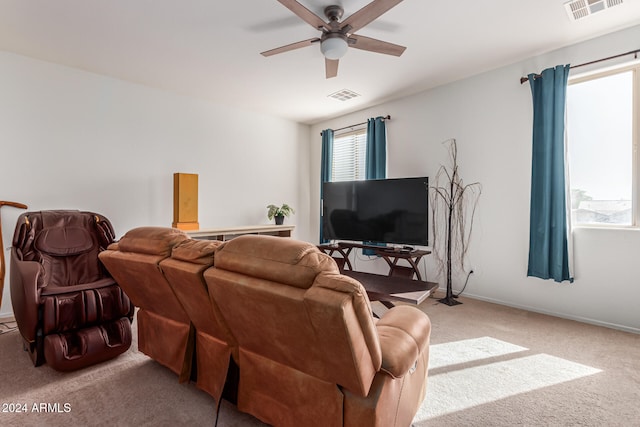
<point x="349" y="156"/>
<point x="602" y="123"/>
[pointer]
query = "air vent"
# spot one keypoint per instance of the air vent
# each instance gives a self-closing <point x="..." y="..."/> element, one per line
<point x="344" y="95"/>
<point x="578" y="9"/>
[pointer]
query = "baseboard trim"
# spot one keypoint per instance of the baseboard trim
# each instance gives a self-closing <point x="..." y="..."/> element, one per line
<point x="555" y="314"/>
<point x="7" y="319"/>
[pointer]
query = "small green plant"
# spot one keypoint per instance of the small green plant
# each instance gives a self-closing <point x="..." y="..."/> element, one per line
<point x="284" y="210"/>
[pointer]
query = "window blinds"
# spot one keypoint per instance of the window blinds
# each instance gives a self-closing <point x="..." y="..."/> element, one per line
<point x="349" y="156"/>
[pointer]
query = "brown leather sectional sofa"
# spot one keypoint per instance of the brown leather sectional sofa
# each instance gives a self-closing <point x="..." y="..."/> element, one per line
<point x="274" y="318"/>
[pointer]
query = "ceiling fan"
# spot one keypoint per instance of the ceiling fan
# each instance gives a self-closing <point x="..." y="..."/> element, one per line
<point x="337" y="36"/>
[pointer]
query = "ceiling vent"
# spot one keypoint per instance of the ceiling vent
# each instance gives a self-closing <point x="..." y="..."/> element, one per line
<point x="343" y="95"/>
<point x="578" y="9"/>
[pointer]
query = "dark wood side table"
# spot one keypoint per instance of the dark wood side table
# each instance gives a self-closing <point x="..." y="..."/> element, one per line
<point x="341" y="249"/>
<point x="391" y="256"/>
<point x="412" y="257"/>
<point x="398" y="285"/>
<point x="387" y="289"/>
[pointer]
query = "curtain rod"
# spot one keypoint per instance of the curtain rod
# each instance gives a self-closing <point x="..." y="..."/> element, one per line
<point x="387" y="117"/>
<point x="633" y="52"/>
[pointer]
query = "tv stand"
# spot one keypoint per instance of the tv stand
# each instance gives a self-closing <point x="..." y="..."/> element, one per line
<point x="398" y="285"/>
<point x="413" y="257"/>
<point x="390" y="255"/>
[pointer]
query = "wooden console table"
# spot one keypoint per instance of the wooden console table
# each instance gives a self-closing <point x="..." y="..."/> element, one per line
<point x="229" y="233"/>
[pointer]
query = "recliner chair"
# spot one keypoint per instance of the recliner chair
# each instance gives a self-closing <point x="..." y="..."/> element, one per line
<point x="309" y="350"/>
<point x="165" y="332"/>
<point x="216" y="349"/>
<point x="70" y="312"/>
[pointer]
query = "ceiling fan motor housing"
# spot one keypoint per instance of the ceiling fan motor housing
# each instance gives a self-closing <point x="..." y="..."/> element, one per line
<point x="333" y="13"/>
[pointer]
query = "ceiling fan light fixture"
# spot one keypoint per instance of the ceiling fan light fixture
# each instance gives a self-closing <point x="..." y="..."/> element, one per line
<point x="334" y="47"/>
<point x="338" y="36"/>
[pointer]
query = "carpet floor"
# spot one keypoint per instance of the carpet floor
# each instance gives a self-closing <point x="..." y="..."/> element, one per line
<point x="490" y="365"/>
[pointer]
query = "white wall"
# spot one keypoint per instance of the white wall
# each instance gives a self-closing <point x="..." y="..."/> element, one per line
<point x="72" y="139"/>
<point x="490" y="115"/>
<point x="75" y="140"/>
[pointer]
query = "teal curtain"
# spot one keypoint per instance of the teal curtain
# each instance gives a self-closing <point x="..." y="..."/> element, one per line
<point x="376" y="151"/>
<point x="375" y="166"/>
<point x="325" y="168"/>
<point x="548" y="234"/>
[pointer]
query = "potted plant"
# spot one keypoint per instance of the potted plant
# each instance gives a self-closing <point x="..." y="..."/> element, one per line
<point x="279" y="212"/>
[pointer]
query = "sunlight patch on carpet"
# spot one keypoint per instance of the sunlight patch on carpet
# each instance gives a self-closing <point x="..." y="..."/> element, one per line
<point x="470" y="350"/>
<point x="465" y="388"/>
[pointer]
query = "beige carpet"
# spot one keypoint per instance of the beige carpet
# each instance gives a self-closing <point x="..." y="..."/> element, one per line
<point x="491" y="366"/>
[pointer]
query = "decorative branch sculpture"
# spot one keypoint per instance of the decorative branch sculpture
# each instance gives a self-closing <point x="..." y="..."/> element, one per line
<point x="451" y="202"/>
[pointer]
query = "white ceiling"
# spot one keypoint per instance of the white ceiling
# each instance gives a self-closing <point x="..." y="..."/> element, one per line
<point x="211" y="49"/>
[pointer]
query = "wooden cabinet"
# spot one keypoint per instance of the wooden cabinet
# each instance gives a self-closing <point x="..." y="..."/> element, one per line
<point x="228" y="233"/>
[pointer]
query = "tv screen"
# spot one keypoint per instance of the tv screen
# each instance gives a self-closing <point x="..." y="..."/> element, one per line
<point x="377" y="211"/>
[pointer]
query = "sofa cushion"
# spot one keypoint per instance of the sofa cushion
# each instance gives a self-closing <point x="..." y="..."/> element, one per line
<point x="195" y="251"/>
<point x="276" y="259"/>
<point x="151" y="240"/>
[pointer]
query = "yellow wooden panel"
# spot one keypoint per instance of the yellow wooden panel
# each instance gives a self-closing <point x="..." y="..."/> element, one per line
<point x="189" y="226"/>
<point x="185" y="201"/>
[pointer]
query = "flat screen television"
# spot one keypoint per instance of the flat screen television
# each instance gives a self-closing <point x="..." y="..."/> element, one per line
<point x="392" y="211"/>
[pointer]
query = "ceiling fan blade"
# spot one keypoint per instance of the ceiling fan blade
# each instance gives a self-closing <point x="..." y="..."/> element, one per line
<point x="331" y="67"/>
<point x="367" y="14"/>
<point x="378" y="46"/>
<point x="305" y="14"/>
<point x="292" y="46"/>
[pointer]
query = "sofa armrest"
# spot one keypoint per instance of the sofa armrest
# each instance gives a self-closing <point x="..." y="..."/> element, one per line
<point x="404" y="333"/>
